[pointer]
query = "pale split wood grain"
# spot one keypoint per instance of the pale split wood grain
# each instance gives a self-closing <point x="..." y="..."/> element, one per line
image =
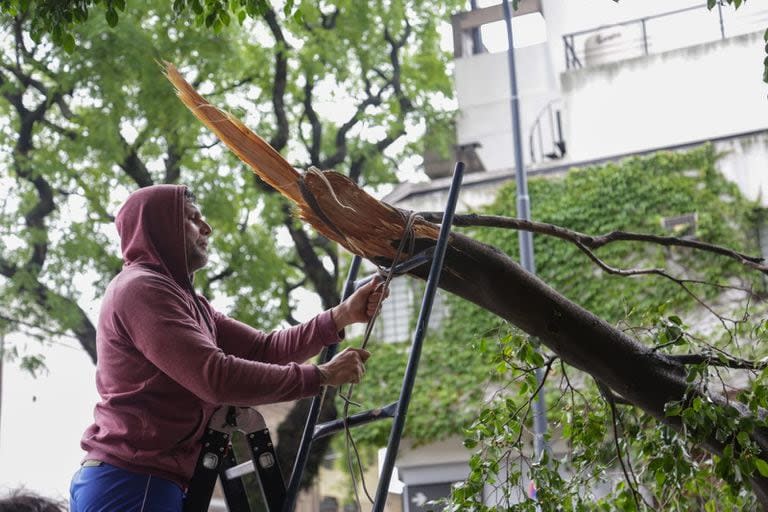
<point x="363" y="224"/>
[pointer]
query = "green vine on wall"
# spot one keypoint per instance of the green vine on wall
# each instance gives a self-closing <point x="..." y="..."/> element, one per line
<point x="474" y="354"/>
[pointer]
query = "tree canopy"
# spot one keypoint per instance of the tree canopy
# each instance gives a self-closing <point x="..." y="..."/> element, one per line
<point x="86" y="128"/>
<point x="338" y="87"/>
<point x="57" y="19"/>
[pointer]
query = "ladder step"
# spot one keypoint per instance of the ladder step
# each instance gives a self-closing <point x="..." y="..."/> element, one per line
<point x="240" y="470"/>
<point x="361" y="418"/>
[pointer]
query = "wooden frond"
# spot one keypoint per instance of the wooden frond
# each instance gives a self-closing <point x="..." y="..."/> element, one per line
<point x="332" y="203"/>
<point x="249" y="147"/>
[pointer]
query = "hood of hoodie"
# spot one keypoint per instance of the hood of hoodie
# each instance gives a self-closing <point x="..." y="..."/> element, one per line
<point x="151" y="229"/>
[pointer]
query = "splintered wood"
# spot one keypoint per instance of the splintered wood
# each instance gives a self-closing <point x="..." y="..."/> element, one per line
<point x="360" y="223"/>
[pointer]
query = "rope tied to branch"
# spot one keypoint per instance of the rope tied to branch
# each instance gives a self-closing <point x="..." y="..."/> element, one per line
<point x="408" y="240"/>
<point x="406" y="246"/>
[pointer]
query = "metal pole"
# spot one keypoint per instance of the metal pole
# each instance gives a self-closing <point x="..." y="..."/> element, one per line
<point x="477" y="37"/>
<point x="720" y="14"/>
<point x="524" y="212"/>
<point x="418" y="338"/>
<point x="305" y="445"/>
<point x="567" y="57"/>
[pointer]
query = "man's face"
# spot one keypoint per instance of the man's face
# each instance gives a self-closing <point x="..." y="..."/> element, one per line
<point x="197" y="232"/>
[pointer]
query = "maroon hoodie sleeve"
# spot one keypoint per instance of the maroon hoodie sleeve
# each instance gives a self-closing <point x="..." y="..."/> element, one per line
<point x="295" y="344"/>
<point x="161" y="326"/>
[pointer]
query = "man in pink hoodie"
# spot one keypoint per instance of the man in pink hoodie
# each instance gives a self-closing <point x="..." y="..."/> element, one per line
<point x="167" y="360"/>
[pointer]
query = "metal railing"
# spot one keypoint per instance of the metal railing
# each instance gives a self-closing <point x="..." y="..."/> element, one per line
<point x="545" y="139"/>
<point x="660" y="32"/>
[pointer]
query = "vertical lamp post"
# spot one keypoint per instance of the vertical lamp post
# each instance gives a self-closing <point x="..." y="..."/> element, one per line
<point x="524" y="212"/>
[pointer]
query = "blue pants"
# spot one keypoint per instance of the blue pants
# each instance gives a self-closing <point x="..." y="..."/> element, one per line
<point x="106" y="488"/>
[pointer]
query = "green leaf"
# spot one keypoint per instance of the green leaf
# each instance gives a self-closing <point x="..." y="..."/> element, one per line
<point x="765" y="70"/>
<point x="288" y="8"/>
<point x="298" y="16"/>
<point x="68" y="43"/>
<point x="761" y="466"/>
<point x="112" y="17"/>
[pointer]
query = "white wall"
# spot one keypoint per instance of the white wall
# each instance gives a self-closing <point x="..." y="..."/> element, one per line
<point x="708" y="91"/>
<point x="568" y="16"/>
<point x="483" y="94"/>
<point x="745" y="162"/>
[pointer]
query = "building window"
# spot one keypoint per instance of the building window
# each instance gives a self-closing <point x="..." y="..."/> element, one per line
<point x="400" y="312"/>
<point x="683" y="226"/>
<point x="395" y="322"/>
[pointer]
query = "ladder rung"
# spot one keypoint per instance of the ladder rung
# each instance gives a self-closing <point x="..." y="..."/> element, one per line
<point x="361" y="418"/>
<point x="239" y="470"/>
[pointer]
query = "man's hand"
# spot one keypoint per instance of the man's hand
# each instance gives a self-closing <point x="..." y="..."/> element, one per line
<point x="347" y="367"/>
<point x="361" y="305"/>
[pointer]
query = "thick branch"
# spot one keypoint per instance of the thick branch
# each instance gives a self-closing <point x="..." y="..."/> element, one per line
<point x="35" y="217"/>
<point x="324" y="283"/>
<point x="173" y="163"/>
<point x="488" y="278"/>
<point x="482" y="274"/>
<point x="134" y="166"/>
<point x="314" y="121"/>
<point x="280" y="138"/>
<point x="341" y="135"/>
<point x="394" y="58"/>
<point x="358" y="164"/>
<point x="393" y="82"/>
<point x="7" y="269"/>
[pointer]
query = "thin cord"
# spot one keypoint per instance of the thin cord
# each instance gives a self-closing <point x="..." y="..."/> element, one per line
<point x="408" y="238"/>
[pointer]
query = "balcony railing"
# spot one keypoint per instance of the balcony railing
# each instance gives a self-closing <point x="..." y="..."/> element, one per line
<point x="545" y="139"/>
<point x="659" y="33"/>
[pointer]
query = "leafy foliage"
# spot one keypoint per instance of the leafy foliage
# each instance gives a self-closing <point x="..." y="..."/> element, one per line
<point x="104" y="121"/>
<point x="664" y="470"/>
<point x="59" y="18"/>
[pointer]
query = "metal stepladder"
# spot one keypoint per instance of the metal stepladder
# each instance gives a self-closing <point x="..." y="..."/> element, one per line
<point x="217" y="459"/>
